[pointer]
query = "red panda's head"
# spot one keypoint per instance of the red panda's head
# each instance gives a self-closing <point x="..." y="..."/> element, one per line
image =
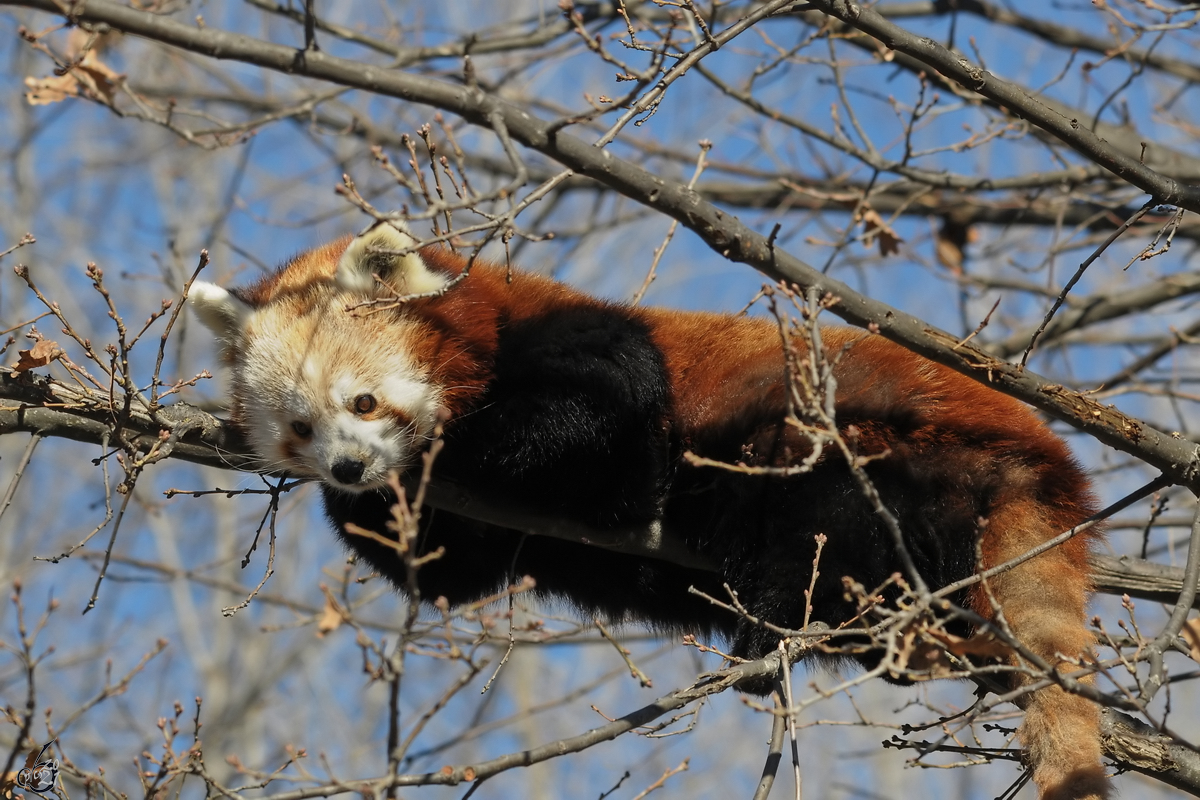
<point x="322" y="389"/>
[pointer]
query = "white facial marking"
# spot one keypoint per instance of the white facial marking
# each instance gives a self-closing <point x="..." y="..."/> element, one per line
<point x="417" y="398"/>
<point x="310" y="371"/>
<point x="343" y="388"/>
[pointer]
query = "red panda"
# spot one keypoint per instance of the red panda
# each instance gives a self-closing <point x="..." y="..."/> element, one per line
<point x="583" y="409"/>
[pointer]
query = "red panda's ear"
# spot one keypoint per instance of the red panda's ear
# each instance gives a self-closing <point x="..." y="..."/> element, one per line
<point x="221" y="312"/>
<point x="386" y="251"/>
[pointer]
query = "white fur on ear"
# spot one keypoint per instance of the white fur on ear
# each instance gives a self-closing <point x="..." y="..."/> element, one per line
<point x="221" y="312"/>
<point x="363" y="260"/>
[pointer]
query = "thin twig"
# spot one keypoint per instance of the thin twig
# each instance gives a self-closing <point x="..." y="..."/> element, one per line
<point x="779" y="721"/>
<point x="1062" y="296"/>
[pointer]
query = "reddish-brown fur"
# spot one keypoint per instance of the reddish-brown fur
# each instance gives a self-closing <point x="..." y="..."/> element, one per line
<point x="722" y="368"/>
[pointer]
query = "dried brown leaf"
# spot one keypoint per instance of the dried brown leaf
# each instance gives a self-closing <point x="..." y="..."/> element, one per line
<point x="91" y="77"/>
<point x="952" y="240"/>
<point x="39" y="355"/>
<point x="8" y="782"/>
<point x="332" y="616"/>
<point x="982" y="645"/>
<point x="950" y="255"/>
<point x="43" y="91"/>
<point x="932" y="659"/>
<point x="928" y="650"/>
<point x="875" y="228"/>
<point x="101" y="80"/>
<point x="917" y="654"/>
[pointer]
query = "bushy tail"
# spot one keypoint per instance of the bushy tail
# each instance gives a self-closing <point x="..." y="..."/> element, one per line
<point x="1043" y="601"/>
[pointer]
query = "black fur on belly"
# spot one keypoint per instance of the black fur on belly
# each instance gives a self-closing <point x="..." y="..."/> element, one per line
<point x="481" y="559"/>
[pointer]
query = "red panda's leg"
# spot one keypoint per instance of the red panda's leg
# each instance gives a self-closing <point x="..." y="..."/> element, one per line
<point x="1043" y="601"/>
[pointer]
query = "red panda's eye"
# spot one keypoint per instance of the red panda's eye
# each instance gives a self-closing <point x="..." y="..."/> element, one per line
<point x="302" y="429"/>
<point x="364" y="404"/>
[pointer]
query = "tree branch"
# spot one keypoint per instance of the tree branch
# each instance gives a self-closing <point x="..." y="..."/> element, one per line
<point x="1139" y="747"/>
<point x="1136" y="577"/>
<point x="213" y="442"/>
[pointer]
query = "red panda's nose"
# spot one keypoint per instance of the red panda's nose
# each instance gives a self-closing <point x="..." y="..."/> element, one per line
<point x="348" y="470"/>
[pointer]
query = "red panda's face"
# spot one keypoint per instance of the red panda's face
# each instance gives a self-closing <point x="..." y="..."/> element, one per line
<point x="332" y="395"/>
<point x="322" y="389"/>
